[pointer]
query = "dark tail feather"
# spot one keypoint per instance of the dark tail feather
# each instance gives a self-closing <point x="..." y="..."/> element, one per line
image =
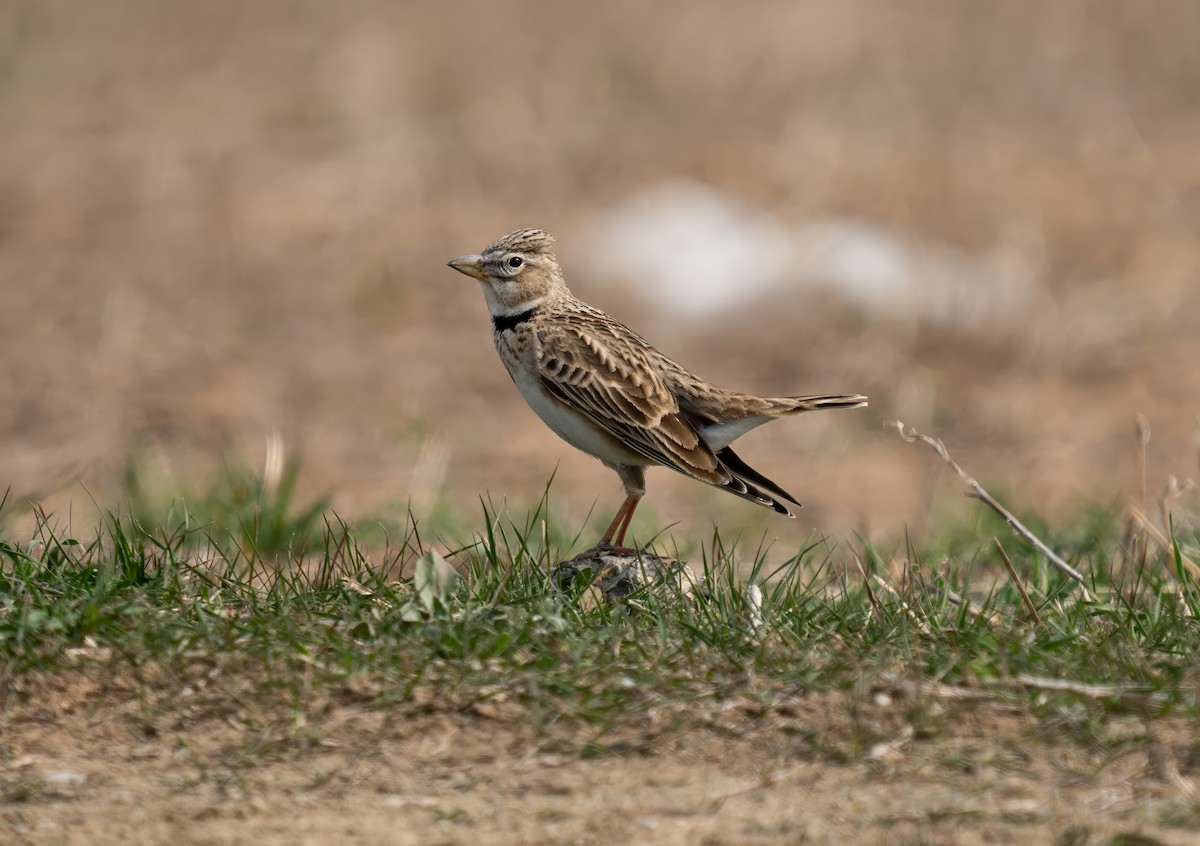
<point x="737" y="487"/>
<point x="815" y="403"/>
<point x="753" y="481"/>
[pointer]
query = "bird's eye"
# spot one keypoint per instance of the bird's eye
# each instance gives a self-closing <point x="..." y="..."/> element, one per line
<point x="515" y="262"/>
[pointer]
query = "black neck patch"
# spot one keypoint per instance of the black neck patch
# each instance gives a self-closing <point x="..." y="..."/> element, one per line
<point x="505" y="322"/>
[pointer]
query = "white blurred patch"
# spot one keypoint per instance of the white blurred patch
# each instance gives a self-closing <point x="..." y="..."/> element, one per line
<point x="689" y="247"/>
<point x="697" y="252"/>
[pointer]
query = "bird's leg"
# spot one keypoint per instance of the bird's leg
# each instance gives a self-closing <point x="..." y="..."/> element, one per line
<point x="633" y="479"/>
<point x="620" y="521"/>
<point x="631" y="505"/>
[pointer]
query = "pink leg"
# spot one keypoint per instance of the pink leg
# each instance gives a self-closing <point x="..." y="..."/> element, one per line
<point x="632" y="502"/>
<point x="621" y="521"/>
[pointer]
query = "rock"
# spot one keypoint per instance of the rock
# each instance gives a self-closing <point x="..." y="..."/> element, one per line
<point x="616" y="573"/>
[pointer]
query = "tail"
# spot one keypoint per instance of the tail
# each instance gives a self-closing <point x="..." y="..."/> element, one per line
<point x="796" y="405"/>
<point x="748" y="483"/>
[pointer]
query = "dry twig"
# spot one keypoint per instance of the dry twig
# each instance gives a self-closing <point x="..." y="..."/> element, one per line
<point x="977" y="492"/>
<point x="870" y="593"/>
<point x="1172" y="491"/>
<point x="1143" y="440"/>
<point x="1012" y="573"/>
<point x="990" y="617"/>
<point x="1134" y="695"/>
<point x="1138" y="697"/>
<point x="1133" y="542"/>
<point x="1155" y="534"/>
<point x="912" y="615"/>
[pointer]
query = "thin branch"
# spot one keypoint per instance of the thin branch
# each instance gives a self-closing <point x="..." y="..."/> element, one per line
<point x="977" y="492"/>
<point x="1143" y="440"/>
<point x="1139" y="697"/>
<point x="867" y="584"/>
<point x="1133" y="543"/>
<point x="1133" y="694"/>
<point x="1012" y="573"/>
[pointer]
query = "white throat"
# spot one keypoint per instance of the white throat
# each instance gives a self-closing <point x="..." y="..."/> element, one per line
<point x="497" y="307"/>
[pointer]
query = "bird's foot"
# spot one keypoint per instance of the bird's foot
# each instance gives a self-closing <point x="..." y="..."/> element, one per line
<point x="604" y="547"/>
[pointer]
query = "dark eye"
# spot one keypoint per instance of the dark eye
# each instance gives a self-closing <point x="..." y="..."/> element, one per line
<point x="515" y="262"/>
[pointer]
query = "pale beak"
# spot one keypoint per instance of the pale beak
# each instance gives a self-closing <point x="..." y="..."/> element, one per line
<point x="470" y="265"/>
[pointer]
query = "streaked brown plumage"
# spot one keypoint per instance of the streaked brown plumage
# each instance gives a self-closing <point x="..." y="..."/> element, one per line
<point x="605" y="390"/>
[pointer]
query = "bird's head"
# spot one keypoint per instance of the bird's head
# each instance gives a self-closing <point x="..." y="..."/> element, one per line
<point x="518" y="272"/>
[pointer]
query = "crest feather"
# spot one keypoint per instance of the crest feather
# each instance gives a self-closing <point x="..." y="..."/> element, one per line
<point x="537" y="241"/>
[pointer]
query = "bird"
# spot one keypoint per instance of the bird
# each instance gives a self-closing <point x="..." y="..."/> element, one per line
<point x="607" y="391"/>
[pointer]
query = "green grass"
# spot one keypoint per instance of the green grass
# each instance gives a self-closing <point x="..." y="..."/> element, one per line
<point x="243" y="511"/>
<point x="320" y="615"/>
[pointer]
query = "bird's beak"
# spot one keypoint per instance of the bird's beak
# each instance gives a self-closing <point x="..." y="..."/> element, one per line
<point x="470" y="265"/>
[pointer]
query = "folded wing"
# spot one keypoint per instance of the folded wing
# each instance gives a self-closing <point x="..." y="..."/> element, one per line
<point x="604" y="375"/>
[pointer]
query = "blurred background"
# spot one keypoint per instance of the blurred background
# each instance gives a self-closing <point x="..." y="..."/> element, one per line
<point x="224" y="219"/>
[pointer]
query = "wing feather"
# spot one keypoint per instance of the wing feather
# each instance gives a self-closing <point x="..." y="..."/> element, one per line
<point x="609" y="379"/>
<point x="608" y="374"/>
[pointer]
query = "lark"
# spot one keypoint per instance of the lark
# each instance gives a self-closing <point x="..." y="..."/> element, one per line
<point x="606" y="391"/>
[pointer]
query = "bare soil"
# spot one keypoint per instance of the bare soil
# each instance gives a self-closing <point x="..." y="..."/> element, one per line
<point x="98" y="763"/>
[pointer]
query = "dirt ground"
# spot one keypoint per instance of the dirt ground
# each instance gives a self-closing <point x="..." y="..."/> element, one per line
<point x="92" y="765"/>
<point x="224" y="219"/>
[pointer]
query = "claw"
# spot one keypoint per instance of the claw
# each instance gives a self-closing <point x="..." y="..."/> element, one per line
<point x="604" y="547"/>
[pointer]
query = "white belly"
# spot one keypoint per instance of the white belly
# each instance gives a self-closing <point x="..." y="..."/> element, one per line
<point x="570" y="425"/>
